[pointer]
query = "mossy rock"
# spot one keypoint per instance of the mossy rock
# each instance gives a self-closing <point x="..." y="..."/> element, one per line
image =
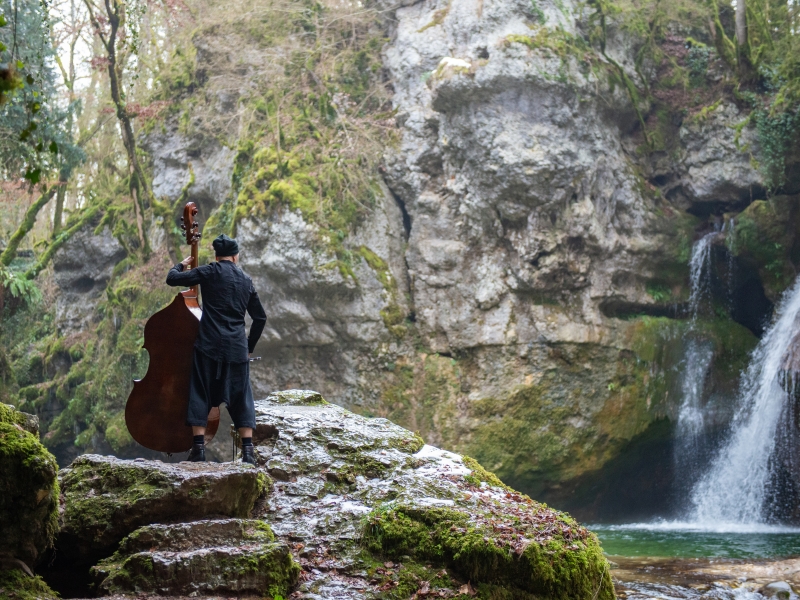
<point x="28" y="490"/>
<point x="205" y="557"/>
<point x="297" y="398"/>
<point x="16" y="585"/>
<point x="766" y="232"/>
<point x="527" y="546"/>
<point x="106" y="498"/>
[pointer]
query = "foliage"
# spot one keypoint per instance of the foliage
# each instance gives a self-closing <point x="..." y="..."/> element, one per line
<point x="19" y="286"/>
<point x="35" y="138"/>
<point x="312" y="127"/>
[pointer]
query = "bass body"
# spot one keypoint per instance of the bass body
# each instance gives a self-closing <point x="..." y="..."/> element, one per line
<point x="155" y="412"/>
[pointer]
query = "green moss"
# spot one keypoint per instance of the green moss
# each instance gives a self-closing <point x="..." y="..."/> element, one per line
<point x="120" y="487"/>
<point x="479" y="474"/>
<point x="438" y="18"/>
<point x="568" y="564"/>
<point x="766" y="233"/>
<point x="392" y="314"/>
<point x="16" y="585"/>
<point x="9" y="415"/>
<point x="28" y="492"/>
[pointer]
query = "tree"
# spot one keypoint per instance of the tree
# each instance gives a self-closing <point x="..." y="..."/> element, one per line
<point x="35" y="131"/>
<point x="110" y="23"/>
<point x="746" y="70"/>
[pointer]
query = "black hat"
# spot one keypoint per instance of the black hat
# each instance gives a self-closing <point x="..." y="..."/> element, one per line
<point x="225" y="246"/>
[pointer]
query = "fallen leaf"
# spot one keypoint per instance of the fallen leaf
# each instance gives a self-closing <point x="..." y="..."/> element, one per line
<point x="467" y="589"/>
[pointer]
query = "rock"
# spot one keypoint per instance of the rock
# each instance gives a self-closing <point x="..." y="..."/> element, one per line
<point x="105" y="498"/>
<point x="352" y="491"/>
<point x="82" y="270"/>
<point x="16" y="585"/>
<point x="199" y="162"/>
<point x="231" y="556"/>
<point x="28" y="490"/>
<point x="777" y="589"/>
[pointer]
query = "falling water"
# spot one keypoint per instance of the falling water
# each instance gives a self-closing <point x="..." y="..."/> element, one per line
<point x="691" y="422"/>
<point x="696" y="361"/>
<point x="733" y="491"/>
<point x="699" y="265"/>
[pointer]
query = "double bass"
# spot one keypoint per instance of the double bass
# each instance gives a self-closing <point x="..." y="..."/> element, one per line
<point x="155" y="413"/>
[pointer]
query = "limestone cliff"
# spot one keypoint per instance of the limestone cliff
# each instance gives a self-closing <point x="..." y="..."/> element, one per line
<point x="516" y="287"/>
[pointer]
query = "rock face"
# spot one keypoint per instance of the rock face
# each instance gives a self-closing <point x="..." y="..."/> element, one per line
<point x="366" y="508"/>
<point x="28" y="491"/>
<point x="105" y="499"/>
<point x="82" y="269"/>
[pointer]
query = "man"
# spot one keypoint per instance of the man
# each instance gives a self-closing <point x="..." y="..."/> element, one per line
<point x="221" y="367"/>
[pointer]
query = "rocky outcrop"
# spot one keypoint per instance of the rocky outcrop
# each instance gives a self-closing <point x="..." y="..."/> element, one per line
<point x="28" y="505"/>
<point x="28" y="491"/>
<point x="105" y="499"/>
<point x="363" y="505"/>
<point x="233" y="556"/>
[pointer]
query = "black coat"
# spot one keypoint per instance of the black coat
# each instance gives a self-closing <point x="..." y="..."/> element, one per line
<point x="228" y="294"/>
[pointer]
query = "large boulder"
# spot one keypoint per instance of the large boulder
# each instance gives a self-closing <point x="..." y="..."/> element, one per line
<point x="28" y="490"/>
<point x="231" y="556"/>
<point x="351" y="492"/>
<point x="105" y="498"/>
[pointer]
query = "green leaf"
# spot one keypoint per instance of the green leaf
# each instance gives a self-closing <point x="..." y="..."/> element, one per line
<point x="28" y="78"/>
<point x="3" y="21"/>
<point x="53" y="147"/>
<point x="20" y="65"/>
<point x="34" y="175"/>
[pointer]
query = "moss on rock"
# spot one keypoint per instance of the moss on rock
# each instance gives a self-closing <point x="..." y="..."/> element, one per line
<point x="232" y="555"/>
<point x="16" y="585"/>
<point x="531" y="547"/>
<point x="28" y="490"/>
<point x="766" y="232"/>
<point x="105" y="498"/>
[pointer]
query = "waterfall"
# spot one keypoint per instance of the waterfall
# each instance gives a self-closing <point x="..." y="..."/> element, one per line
<point x="700" y="264"/>
<point x="733" y="492"/>
<point x="695" y="364"/>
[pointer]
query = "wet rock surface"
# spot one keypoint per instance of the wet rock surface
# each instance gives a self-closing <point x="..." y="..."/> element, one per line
<point x="203" y="557"/>
<point x="105" y="498"/>
<point x="342" y="483"/>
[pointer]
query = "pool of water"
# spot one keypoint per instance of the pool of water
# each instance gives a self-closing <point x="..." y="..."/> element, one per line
<point x="672" y="560"/>
<point x="685" y="540"/>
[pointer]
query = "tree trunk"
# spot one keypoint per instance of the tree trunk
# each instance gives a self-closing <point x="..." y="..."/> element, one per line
<point x="10" y="253"/>
<point x="87" y="216"/>
<point x="60" y="195"/>
<point x="137" y="183"/>
<point x="745" y="68"/>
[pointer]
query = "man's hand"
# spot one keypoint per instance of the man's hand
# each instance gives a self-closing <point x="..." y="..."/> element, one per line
<point x="187" y="262"/>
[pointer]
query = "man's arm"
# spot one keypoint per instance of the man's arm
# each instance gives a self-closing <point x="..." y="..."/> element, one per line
<point x="256" y="312"/>
<point x="177" y="276"/>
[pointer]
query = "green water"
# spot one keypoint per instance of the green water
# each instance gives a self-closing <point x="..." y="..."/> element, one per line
<point x="684" y="542"/>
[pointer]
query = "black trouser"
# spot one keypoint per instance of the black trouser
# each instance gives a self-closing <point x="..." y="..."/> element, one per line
<point x="214" y="382"/>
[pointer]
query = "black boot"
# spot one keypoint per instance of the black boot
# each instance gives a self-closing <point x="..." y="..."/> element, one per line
<point x="197" y="453"/>
<point x="248" y="455"/>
